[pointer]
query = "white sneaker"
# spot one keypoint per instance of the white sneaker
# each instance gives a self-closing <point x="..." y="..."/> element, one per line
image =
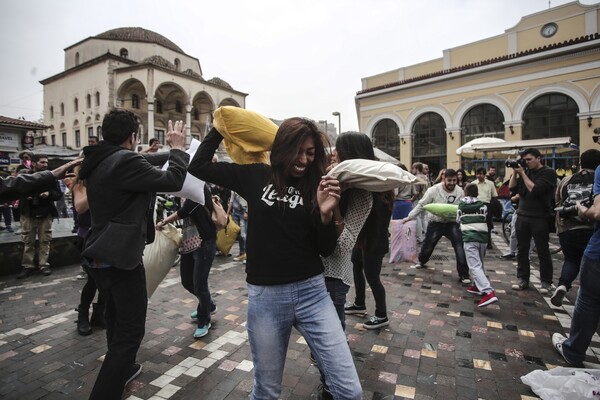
<point x="546" y="288"/>
<point x="558" y="296"/>
<point x="418" y="265"/>
<point x="557" y="342"/>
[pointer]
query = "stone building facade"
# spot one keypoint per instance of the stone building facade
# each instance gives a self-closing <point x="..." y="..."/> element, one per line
<point x="135" y="69"/>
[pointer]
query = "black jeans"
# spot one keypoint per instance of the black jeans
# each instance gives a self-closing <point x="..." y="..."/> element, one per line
<point x="338" y="290"/>
<point x="89" y="292"/>
<point x="538" y="228"/>
<point x="450" y="230"/>
<point x="366" y="264"/>
<point x="195" y="268"/>
<point x="573" y="244"/>
<point x="126" y="301"/>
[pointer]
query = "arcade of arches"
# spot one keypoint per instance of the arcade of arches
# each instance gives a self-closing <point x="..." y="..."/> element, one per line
<point x="550" y="115"/>
<point x="169" y="102"/>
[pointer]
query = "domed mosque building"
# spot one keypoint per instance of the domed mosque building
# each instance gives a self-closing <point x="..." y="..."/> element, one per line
<point x="136" y="69"/>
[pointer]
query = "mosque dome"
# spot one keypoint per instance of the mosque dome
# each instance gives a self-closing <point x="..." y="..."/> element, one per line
<point x="220" y="82"/>
<point x="139" y="35"/>
<point x="160" y="61"/>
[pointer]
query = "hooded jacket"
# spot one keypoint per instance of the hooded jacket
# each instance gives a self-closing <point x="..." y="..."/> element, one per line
<point x="120" y="184"/>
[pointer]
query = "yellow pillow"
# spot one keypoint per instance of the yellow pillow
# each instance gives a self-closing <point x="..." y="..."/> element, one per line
<point x="248" y="135"/>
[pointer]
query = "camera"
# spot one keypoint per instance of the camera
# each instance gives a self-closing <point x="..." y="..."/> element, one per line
<point x="515" y="163"/>
<point x="570" y="210"/>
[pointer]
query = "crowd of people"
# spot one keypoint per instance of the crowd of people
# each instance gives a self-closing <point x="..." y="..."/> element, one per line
<point x="305" y="240"/>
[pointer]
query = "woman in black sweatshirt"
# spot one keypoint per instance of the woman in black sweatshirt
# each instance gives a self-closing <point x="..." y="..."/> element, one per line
<point x="290" y="225"/>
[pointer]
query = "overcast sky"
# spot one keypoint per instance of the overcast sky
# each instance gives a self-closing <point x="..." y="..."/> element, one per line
<point x="293" y="58"/>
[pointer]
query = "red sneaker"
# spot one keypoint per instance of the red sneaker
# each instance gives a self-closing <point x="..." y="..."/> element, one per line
<point x="487" y="299"/>
<point x="473" y="289"/>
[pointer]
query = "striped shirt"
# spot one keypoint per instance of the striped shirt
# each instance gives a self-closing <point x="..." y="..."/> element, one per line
<point x="471" y="217"/>
<point x="339" y="264"/>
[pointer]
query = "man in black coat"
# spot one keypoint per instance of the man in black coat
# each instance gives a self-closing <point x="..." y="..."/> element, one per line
<point x="120" y="184"/>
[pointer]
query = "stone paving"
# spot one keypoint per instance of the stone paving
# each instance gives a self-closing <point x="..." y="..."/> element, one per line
<point x="439" y="344"/>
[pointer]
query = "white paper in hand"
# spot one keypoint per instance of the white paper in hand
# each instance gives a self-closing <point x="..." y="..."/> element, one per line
<point x="193" y="188"/>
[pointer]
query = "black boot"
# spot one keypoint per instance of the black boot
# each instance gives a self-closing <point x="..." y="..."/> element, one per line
<point x="83" y="321"/>
<point x="97" y="319"/>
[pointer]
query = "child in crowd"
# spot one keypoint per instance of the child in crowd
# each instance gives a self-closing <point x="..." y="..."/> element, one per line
<point x="471" y="217"/>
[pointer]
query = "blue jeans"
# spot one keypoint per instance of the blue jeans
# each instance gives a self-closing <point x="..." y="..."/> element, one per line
<point x="195" y="267"/>
<point x="272" y="312"/>
<point x="573" y="245"/>
<point x="587" y="312"/>
<point x="451" y="230"/>
<point x="124" y="293"/>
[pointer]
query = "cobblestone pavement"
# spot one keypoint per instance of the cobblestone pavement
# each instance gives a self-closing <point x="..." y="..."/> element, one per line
<point x="439" y="344"/>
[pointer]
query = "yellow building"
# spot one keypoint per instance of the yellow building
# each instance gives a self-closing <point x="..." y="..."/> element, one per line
<point x="539" y="79"/>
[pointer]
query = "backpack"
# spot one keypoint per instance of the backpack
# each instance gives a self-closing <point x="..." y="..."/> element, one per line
<point x="579" y="188"/>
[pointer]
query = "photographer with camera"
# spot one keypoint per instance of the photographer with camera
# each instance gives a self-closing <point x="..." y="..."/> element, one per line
<point x="535" y="183"/>
<point x="587" y="307"/>
<point x="573" y="232"/>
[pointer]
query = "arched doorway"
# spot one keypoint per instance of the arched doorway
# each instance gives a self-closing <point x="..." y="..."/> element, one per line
<point x="553" y="115"/>
<point x="482" y="120"/>
<point x="429" y="144"/>
<point x="386" y="137"/>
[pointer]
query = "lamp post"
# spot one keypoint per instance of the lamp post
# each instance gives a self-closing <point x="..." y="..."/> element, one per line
<point x="337" y="114"/>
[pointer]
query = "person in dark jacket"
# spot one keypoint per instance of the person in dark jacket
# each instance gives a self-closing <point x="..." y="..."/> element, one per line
<point x="196" y="261"/>
<point x="373" y="241"/>
<point x="37" y="214"/>
<point x="120" y="184"/>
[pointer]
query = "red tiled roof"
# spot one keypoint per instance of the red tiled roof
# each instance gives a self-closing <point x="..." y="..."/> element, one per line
<point x="6" y="121"/>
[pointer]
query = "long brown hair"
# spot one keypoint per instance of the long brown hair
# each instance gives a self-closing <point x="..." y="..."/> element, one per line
<point x="291" y="135"/>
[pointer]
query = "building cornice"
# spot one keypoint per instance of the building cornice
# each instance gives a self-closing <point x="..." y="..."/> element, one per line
<point x="87" y="64"/>
<point x="527" y="56"/>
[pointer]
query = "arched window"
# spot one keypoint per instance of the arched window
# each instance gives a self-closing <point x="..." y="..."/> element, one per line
<point x="124" y="53"/>
<point x="62" y="109"/>
<point x="51" y="112"/>
<point x="429" y="144"/>
<point x="177" y="64"/>
<point x="386" y="137"/>
<point x="76" y="104"/>
<point x="99" y="132"/>
<point x="177" y="106"/>
<point x="551" y="115"/>
<point x="482" y="120"/>
<point x="196" y="114"/>
<point x="76" y="58"/>
<point x="88" y="101"/>
<point x="97" y="99"/>
<point x="158" y="106"/>
<point x="135" y="101"/>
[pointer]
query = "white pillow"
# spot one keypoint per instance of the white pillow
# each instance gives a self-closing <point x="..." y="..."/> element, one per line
<point x="193" y="188"/>
<point x="374" y="176"/>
